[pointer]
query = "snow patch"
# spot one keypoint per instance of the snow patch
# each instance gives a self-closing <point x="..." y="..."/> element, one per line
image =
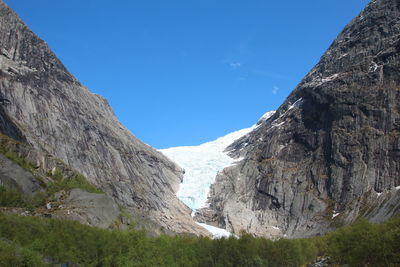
<point x="263" y="118"/>
<point x="215" y="231"/>
<point x="319" y="80"/>
<point x="335" y="214"/>
<point x="295" y="104"/>
<point x="267" y="115"/>
<point x="374" y="66"/>
<point x="237" y="161"/>
<point x="330" y="78"/>
<point x="397" y="187"/>
<point x="273" y="125"/>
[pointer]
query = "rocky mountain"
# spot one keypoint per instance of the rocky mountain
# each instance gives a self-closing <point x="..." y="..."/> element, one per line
<point x="331" y="152"/>
<point x="56" y="122"/>
<point x="201" y="164"/>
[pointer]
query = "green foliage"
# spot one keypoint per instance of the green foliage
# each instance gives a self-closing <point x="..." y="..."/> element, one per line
<point x="76" y="181"/>
<point x="366" y="244"/>
<point x="57" y="174"/>
<point x="124" y="216"/>
<point x="25" y="164"/>
<point x="58" y="241"/>
<point x="61" y="182"/>
<point x="11" y="255"/>
<point x="14" y="198"/>
<point x="10" y="197"/>
<point x="21" y="161"/>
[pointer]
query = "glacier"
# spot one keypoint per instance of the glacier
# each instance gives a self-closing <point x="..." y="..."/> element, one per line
<point x="202" y="164"/>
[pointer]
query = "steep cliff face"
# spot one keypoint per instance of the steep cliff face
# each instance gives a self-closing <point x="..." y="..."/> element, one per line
<point x="50" y="110"/>
<point x="331" y="152"/>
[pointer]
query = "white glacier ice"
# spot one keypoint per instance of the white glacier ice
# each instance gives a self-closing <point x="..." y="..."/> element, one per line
<point x="201" y="164"/>
<point x="215" y="231"/>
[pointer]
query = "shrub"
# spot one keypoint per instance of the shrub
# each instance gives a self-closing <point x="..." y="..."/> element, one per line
<point x="10" y="197"/>
<point x="362" y="244"/>
<point x="76" y="181"/>
<point x="25" y="164"/>
<point x="366" y="244"/>
<point x="11" y="255"/>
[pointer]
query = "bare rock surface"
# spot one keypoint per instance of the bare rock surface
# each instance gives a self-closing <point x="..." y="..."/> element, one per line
<point x="50" y="110"/>
<point x="14" y="176"/>
<point x="331" y="152"/>
<point x="88" y="208"/>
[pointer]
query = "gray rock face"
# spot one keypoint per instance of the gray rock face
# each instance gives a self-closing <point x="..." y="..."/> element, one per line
<point x="331" y="152"/>
<point x="12" y="175"/>
<point x="88" y="208"/>
<point x="53" y="112"/>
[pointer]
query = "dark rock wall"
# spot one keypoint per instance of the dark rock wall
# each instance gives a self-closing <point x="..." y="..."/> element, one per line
<point x="331" y="152"/>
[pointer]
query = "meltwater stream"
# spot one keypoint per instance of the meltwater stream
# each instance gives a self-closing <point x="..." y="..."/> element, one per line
<point x="201" y="164"/>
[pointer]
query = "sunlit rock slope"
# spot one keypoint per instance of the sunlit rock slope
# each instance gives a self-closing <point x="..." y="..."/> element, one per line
<point x="44" y="106"/>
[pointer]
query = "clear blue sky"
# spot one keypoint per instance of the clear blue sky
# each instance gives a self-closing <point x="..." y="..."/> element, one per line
<point x="182" y="72"/>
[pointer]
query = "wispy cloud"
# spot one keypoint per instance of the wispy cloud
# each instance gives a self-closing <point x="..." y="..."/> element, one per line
<point x="235" y="65"/>
<point x="275" y="90"/>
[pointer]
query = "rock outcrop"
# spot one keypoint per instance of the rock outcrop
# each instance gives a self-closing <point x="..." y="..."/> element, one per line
<point x="88" y="208"/>
<point x="331" y="152"/>
<point x="44" y="106"/>
<point x="14" y="176"/>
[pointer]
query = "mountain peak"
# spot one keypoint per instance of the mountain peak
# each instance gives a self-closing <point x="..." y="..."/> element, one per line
<point x="328" y="154"/>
